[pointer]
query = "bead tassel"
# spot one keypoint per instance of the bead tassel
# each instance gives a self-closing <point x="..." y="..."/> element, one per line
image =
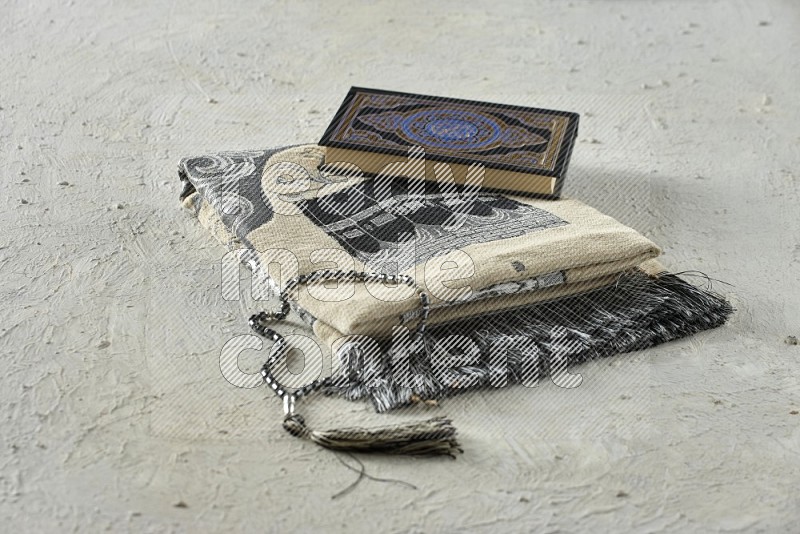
<point x="435" y="436"/>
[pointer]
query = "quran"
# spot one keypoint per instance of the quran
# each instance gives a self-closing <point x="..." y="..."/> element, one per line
<point x="495" y="147"/>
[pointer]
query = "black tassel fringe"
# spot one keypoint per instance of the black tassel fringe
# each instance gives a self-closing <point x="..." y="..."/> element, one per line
<point x="636" y="312"/>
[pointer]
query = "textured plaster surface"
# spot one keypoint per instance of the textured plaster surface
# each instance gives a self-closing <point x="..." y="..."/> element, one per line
<point x="114" y="412"/>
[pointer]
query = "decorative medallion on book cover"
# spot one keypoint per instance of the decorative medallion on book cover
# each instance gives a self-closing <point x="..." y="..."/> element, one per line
<point x="501" y="135"/>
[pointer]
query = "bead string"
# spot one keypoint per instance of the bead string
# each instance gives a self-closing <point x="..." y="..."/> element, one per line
<point x="258" y="320"/>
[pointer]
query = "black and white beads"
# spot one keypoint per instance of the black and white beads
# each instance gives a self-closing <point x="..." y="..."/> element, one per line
<point x="258" y="320"/>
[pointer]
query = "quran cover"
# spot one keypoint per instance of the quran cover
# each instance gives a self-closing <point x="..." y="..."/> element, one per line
<point x="521" y="150"/>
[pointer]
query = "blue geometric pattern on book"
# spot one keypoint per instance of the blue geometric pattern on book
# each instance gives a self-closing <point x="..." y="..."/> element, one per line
<point x="528" y="139"/>
<point x="449" y="128"/>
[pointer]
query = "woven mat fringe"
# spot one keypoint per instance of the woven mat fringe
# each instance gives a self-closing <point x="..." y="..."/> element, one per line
<point x="636" y="312"/>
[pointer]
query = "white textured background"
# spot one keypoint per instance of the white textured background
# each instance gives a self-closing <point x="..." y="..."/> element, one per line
<point x="114" y="413"/>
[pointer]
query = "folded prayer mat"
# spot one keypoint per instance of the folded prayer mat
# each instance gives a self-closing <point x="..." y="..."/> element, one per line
<point x="423" y="289"/>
